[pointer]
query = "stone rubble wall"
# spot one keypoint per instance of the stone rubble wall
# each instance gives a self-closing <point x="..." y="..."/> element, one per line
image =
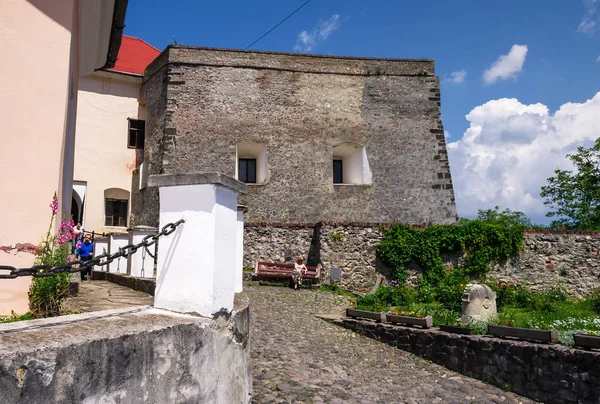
<point x="281" y="243"/>
<point x="549" y="259"/>
<point x="546" y="373"/>
<point x="552" y="259"/>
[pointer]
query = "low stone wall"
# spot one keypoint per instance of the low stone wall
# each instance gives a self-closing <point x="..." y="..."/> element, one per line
<point x="556" y="258"/>
<point x="280" y="242"/>
<point x="352" y="248"/>
<point x="140" y="355"/>
<point x="547" y="373"/>
<point x="146" y="285"/>
<point x="326" y="245"/>
<point x="549" y="259"/>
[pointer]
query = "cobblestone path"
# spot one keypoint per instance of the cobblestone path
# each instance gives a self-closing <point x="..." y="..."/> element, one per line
<point x="299" y="358"/>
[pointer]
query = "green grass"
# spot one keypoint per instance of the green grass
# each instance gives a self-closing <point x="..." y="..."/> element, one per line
<point x="336" y="290"/>
<point x="13" y="317"/>
<point x="518" y="307"/>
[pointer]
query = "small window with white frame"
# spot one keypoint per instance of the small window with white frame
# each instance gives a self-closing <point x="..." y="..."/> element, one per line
<point x="251" y="165"/>
<point x="350" y="164"/>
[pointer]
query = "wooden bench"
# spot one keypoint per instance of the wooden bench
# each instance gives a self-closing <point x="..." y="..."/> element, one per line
<point x="282" y="271"/>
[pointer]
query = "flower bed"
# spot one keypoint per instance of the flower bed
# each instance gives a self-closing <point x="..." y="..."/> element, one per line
<point x="455" y="329"/>
<point x="421" y="321"/>
<point x="589" y="340"/>
<point x="526" y="334"/>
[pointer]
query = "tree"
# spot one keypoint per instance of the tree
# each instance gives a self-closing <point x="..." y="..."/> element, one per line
<point x="574" y="196"/>
<point x="505" y="218"/>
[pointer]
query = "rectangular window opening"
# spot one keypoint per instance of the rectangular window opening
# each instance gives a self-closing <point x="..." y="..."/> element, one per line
<point x="247" y="170"/>
<point x="338" y="172"/>
<point x="137" y="134"/>
<point x="116" y="212"/>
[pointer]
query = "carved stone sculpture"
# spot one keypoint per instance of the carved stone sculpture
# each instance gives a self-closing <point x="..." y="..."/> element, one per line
<point x="478" y="303"/>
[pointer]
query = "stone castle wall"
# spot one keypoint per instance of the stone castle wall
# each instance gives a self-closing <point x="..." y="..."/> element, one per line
<point x="202" y="102"/>
<point x="549" y="259"/>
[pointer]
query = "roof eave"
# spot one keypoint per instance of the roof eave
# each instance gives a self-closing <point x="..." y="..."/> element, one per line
<point x="116" y="33"/>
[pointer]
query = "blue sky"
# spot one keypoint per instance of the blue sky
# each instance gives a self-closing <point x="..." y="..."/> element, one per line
<point x="506" y="135"/>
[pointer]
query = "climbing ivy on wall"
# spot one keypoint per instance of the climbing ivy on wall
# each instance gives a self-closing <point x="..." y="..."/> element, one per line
<point x="481" y="244"/>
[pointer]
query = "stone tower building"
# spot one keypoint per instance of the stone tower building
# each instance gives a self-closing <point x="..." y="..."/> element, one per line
<point x="316" y="137"/>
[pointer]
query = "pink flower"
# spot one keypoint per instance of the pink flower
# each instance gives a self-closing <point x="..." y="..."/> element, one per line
<point x="69" y="258"/>
<point x="54" y="205"/>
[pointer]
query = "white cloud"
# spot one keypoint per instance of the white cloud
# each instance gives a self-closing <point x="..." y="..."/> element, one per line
<point x="510" y="149"/>
<point x="589" y="22"/>
<point x="507" y="66"/>
<point x="307" y="42"/>
<point x="458" y="76"/>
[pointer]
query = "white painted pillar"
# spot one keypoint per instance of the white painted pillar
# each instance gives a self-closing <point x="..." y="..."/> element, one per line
<point x="116" y="241"/>
<point x="100" y="247"/>
<point x="239" y="252"/>
<point x="141" y="264"/>
<point x="196" y="269"/>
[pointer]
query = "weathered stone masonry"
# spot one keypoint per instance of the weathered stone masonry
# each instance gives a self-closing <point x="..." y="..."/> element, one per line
<point x="549" y="259"/>
<point x="202" y="102"/>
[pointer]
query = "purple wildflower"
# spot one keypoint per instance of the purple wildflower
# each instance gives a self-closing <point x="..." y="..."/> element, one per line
<point x="54" y="205"/>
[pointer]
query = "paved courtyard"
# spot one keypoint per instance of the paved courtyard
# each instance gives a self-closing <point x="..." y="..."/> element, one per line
<point x="103" y="295"/>
<point x="300" y="358"/>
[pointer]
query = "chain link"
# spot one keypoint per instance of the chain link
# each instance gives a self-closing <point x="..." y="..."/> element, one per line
<point x="41" y="271"/>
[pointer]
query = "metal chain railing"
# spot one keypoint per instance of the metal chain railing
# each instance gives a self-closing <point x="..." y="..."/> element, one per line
<point x="41" y="271"/>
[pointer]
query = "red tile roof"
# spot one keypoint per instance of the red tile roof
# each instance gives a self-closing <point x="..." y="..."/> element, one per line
<point x="134" y="56"/>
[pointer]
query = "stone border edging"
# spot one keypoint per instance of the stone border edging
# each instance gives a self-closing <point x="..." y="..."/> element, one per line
<point x="146" y="285"/>
<point x="547" y="373"/>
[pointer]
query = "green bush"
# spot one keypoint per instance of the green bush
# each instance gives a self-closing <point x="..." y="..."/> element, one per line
<point x="480" y="242"/>
<point x="449" y="292"/>
<point x="521" y="297"/>
<point x="425" y="294"/>
<point x="386" y="297"/>
<point x="594" y="299"/>
<point x="47" y="294"/>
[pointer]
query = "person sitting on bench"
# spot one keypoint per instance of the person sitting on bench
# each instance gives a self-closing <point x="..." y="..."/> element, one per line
<point x="298" y="271"/>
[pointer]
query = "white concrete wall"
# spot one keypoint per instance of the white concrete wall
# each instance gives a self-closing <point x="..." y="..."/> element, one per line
<point x="138" y="265"/>
<point x="102" y="158"/>
<point x="196" y="264"/>
<point x="35" y="43"/>
<point x="239" y="252"/>
<point x="100" y="246"/>
<point x="226" y="234"/>
<point x="116" y="241"/>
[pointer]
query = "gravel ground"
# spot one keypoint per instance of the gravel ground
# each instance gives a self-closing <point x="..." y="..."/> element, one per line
<point x="300" y="358"/>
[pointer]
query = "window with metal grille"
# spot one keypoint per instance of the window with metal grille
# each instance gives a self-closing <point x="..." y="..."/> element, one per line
<point x="338" y="172"/>
<point x="247" y="170"/>
<point x="115" y="212"/>
<point x="137" y="135"/>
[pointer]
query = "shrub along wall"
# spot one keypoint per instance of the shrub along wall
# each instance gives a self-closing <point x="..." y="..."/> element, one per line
<point x="548" y="373"/>
<point x="549" y="258"/>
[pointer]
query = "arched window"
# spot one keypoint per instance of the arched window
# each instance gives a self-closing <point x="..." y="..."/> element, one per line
<point x="350" y="164"/>
<point x="251" y="162"/>
<point x="116" y="207"/>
